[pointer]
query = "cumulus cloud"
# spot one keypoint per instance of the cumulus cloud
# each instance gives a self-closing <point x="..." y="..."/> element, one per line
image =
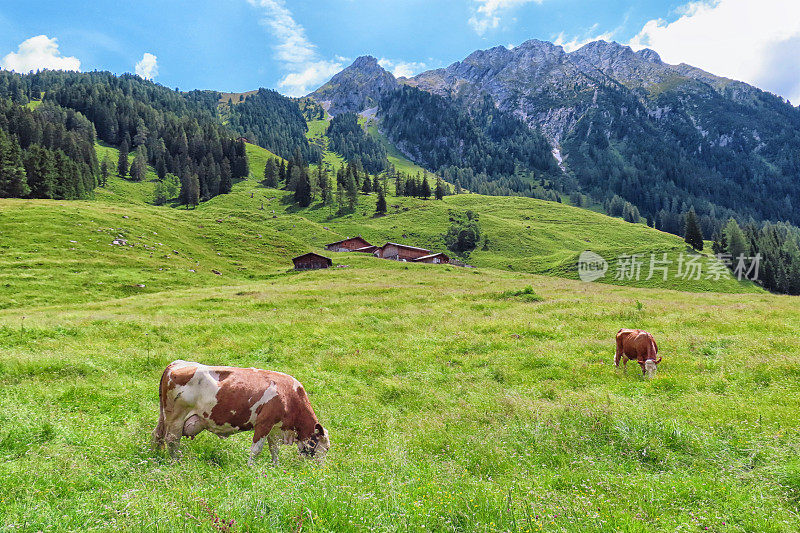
<point x="572" y="44"/>
<point x="486" y="13"/>
<point x="402" y="69"/>
<point x="307" y="69"/>
<point x="755" y="42"/>
<point x="37" y="53"/>
<point x="147" y="68"/>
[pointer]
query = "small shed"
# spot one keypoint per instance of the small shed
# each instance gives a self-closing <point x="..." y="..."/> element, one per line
<point x="311" y="261"/>
<point x="437" y="259"/>
<point x="348" y="245"/>
<point x="400" y="252"/>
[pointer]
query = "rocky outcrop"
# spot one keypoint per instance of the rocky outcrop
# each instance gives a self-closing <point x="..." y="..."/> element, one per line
<point x="356" y="88"/>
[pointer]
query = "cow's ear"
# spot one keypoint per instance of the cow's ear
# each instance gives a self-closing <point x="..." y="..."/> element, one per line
<point x="319" y="430"/>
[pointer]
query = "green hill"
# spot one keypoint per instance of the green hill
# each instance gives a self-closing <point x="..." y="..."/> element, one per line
<point x="169" y="248"/>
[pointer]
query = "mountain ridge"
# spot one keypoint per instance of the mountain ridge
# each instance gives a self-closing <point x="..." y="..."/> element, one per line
<point x="663" y="137"/>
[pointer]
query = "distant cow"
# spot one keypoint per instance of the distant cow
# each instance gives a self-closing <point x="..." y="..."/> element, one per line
<point x="226" y="400"/>
<point x="635" y="344"/>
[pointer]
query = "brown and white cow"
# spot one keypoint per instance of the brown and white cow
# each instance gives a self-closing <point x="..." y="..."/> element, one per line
<point x="226" y="400"/>
<point x="639" y="345"/>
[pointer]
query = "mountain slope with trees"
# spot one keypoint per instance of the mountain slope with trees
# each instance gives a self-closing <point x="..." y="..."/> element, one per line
<point x="272" y="121"/>
<point x="176" y="133"/>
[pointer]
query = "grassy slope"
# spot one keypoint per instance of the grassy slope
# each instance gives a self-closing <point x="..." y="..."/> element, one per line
<point x="453" y="408"/>
<point x="233" y="235"/>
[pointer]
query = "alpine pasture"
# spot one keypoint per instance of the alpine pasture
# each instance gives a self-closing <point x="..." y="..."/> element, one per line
<point x="457" y="399"/>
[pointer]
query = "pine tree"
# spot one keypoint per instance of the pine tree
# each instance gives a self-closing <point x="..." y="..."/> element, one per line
<point x="281" y="173"/>
<point x="271" y="173"/>
<point x="399" y="185"/>
<point x="138" y="168"/>
<point x="226" y="177"/>
<point x="380" y="207"/>
<point x="425" y="191"/>
<point x="441" y="190"/>
<point x="122" y="162"/>
<point x="351" y="189"/>
<point x="692" y="234"/>
<point x="737" y="243"/>
<point x="366" y="187"/>
<point x="190" y="190"/>
<point x="720" y="244"/>
<point x="40" y="168"/>
<point x="104" y="171"/>
<point x="325" y="186"/>
<point x="13" y="181"/>
<point x="302" y="191"/>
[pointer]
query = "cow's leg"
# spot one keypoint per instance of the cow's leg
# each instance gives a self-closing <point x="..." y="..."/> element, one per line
<point x="173" y="433"/>
<point x="624" y="364"/>
<point x="274" y="442"/>
<point x="158" y="433"/>
<point x="261" y="434"/>
<point x="255" y="449"/>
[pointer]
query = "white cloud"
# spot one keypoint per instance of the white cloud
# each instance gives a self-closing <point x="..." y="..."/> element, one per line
<point x="755" y="42"/>
<point x="311" y="75"/>
<point x="147" y="68"/>
<point x="486" y="13"/>
<point x="37" y="53"/>
<point x="577" y="42"/>
<point x="404" y="69"/>
<point x="299" y="55"/>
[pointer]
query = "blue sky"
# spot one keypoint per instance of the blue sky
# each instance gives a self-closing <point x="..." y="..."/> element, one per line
<point x="295" y="45"/>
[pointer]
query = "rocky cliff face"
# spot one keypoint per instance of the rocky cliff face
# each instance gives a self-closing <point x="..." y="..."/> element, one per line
<point x="551" y="89"/>
<point x="356" y="88"/>
<point x="661" y="136"/>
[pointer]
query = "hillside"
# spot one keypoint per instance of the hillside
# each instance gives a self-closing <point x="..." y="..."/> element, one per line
<point x="171" y="248"/>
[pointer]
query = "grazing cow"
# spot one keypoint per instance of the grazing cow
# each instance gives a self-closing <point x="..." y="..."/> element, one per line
<point x="226" y="400"/>
<point x="639" y="345"/>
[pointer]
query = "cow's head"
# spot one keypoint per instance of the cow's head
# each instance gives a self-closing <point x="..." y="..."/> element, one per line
<point x="650" y="367"/>
<point x="316" y="446"/>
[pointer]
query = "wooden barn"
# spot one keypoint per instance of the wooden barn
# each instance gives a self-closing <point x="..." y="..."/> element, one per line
<point x="311" y="261"/>
<point x="400" y="252"/>
<point x="437" y="259"/>
<point x="366" y="249"/>
<point x="348" y="245"/>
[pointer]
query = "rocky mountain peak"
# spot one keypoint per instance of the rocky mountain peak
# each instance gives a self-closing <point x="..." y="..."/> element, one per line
<point x="356" y="88"/>
<point x="649" y="55"/>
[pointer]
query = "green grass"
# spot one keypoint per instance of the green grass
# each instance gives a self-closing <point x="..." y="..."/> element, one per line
<point x="458" y="399"/>
<point x="457" y="408"/>
<point x="316" y="134"/>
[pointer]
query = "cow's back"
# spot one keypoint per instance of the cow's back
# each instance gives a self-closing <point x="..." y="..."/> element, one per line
<point x="637" y="344"/>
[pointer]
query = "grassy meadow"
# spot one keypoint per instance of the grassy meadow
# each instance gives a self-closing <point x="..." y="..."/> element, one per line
<point x="458" y="399"/>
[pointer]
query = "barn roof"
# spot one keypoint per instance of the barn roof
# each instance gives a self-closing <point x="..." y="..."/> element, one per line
<point x="356" y="238"/>
<point x="431" y="256"/>
<point x="405" y="246"/>
<point x="312" y="254"/>
<point x="366" y="249"/>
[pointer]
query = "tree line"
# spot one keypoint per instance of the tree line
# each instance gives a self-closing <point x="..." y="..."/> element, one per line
<point x="341" y="189"/>
<point x="47" y="153"/>
<point x="177" y="133"/>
